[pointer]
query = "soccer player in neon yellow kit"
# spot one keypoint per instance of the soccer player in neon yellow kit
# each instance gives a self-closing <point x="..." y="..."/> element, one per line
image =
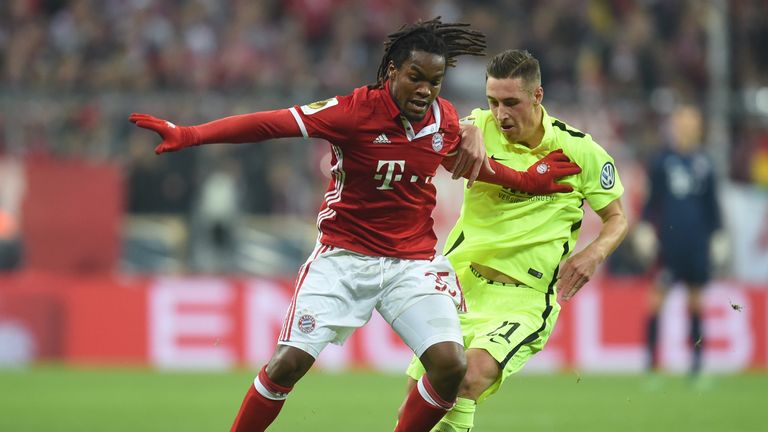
<point x="511" y="250"/>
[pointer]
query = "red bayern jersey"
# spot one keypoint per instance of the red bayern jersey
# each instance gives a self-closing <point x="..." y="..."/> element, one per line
<point x="380" y="198"/>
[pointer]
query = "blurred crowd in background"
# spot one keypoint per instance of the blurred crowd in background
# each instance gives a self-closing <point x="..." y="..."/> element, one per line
<point x="72" y="71"/>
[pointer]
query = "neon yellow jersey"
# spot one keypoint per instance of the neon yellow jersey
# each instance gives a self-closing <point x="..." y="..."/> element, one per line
<point x="522" y="235"/>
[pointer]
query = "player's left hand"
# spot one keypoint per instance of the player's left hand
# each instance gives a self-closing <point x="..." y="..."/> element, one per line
<point x="472" y="156"/>
<point x="541" y="177"/>
<point x="576" y="272"/>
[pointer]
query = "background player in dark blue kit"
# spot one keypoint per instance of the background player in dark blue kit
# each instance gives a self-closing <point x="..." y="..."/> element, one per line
<point x="683" y="209"/>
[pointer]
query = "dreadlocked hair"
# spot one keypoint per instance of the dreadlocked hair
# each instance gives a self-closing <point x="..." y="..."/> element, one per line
<point x="448" y="40"/>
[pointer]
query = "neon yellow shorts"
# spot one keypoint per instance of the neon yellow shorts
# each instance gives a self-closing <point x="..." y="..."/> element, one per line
<point x="510" y="322"/>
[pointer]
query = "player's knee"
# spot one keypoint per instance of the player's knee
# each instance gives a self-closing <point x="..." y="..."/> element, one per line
<point x="450" y="370"/>
<point x="454" y="371"/>
<point x="447" y="379"/>
<point x="288" y="365"/>
<point x="446" y="364"/>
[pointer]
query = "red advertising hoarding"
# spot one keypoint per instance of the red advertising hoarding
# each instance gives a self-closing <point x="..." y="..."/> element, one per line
<point x="220" y="323"/>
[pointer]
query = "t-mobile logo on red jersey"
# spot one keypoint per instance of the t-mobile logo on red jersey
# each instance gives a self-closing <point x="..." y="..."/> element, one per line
<point x="389" y="175"/>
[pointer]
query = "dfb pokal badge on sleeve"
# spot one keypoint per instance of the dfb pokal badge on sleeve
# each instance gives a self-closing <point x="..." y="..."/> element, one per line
<point x="437" y="142"/>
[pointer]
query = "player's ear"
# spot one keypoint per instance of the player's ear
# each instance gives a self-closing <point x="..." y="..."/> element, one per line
<point x="391" y="70"/>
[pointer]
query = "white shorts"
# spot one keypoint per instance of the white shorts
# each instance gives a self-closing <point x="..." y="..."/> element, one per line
<point x="337" y="291"/>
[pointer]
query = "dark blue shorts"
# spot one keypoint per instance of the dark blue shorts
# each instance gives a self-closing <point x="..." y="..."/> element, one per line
<point x="685" y="264"/>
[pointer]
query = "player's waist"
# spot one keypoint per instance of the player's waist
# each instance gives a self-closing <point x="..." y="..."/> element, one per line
<point x="421" y="250"/>
<point x="493" y="276"/>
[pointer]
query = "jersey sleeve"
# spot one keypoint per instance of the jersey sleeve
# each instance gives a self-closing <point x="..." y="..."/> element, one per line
<point x="601" y="184"/>
<point x="331" y="119"/>
<point x="253" y="127"/>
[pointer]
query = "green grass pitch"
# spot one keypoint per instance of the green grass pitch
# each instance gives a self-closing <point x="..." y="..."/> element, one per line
<point x="107" y="399"/>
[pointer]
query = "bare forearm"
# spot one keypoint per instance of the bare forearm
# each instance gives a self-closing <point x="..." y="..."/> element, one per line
<point x="579" y="268"/>
<point x="613" y="231"/>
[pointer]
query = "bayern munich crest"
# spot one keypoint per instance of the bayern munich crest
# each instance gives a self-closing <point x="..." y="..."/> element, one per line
<point x="306" y="323"/>
<point x="437" y="142"/>
<point x="542" y="168"/>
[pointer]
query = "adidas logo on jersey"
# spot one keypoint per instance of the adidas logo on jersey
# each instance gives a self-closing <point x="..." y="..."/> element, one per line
<point x="381" y="139"/>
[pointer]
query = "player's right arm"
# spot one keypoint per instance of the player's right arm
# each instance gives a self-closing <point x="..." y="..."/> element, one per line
<point x="329" y="119"/>
<point x="251" y="127"/>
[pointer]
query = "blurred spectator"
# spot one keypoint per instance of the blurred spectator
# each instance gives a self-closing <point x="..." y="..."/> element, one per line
<point x="684" y="211"/>
<point x="157" y="185"/>
<point x="217" y="216"/>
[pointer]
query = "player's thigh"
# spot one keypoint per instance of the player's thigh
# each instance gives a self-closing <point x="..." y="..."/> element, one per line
<point x="511" y="329"/>
<point x="406" y="282"/>
<point x="333" y="296"/>
<point x="420" y="301"/>
<point x="429" y="321"/>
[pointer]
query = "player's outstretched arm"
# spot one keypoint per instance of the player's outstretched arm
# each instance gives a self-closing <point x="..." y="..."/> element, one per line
<point x="540" y="178"/>
<point x="244" y="128"/>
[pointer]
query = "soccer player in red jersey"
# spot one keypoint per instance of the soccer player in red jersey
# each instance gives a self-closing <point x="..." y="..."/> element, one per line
<point x="376" y="245"/>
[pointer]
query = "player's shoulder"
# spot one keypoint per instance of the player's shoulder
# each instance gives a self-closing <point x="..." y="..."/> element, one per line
<point x="363" y="97"/>
<point x="359" y="95"/>
<point x="448" y="110"/>
<point x="329" y="105"/>
<point x="584" y="151"/>
<point x="362" y="103"/>
<point x="572" y="140"/>
<point x="449" y="121"/>
<point x="478" y="117"/>
<point x="364" y="93"/>
<point x="566" y="132"/>
<point x="370" y="102"/>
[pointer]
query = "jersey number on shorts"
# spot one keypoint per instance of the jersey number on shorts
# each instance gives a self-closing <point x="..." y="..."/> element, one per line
<point x="503" y="331"/>
<point x="440" y="284"/>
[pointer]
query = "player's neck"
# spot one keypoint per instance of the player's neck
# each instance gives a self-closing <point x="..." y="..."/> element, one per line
<point x="535" y="138"/>
<point x="420" y="124"/>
